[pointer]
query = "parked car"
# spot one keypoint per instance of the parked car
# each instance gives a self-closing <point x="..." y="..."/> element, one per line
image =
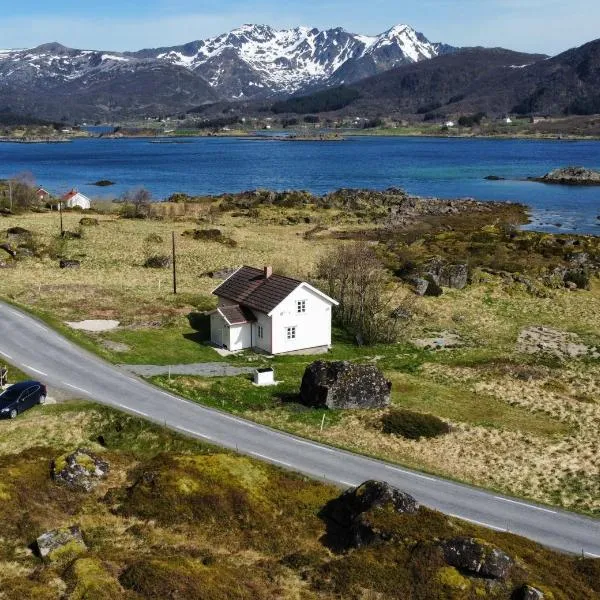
<point x="21" y="397"/>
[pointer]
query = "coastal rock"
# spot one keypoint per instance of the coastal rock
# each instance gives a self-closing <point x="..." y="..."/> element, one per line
<point x="494" y="178"/>
<point x="80" y="470"/>
<point x="477" y="557"/>
<point x="344" y="385"/>
<point x="572" y="176"/>
<point x="353" y="515"/>
<point x="56" y="545"/>
<point x="69" y="264"/>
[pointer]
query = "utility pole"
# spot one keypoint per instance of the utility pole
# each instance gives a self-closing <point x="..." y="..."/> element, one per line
<point x="174" y="266"/>
<point x="62" y="231"/>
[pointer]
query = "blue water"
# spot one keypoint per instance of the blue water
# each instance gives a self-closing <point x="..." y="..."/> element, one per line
<point x="447" y="168"/>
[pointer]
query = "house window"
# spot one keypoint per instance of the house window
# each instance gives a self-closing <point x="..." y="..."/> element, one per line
<point x="290" y="333"/>
<point x="260" y="332"/>
<point x="301" y="306"/>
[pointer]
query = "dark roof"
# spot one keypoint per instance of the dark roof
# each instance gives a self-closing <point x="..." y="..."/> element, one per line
<point x="249" y="287"/>
<point x="237" y="315"/>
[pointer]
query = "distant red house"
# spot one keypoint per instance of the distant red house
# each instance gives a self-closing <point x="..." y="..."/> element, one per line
<point x="42" y="194"/>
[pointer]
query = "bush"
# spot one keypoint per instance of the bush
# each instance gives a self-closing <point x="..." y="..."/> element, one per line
<point x="88" y="222"/>
<point x="158" y="262"/>
<point x="413" y="425"/>
<point x="200" y="322"/>
<point x="154" y="238"/>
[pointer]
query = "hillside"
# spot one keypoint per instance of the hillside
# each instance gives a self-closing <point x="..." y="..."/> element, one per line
<point x="492" y="81"/>
<point x="173" y="518"/>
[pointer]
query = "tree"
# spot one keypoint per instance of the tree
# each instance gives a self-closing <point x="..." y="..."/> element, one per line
<point x="354" y="276"/>
<point x="21" y="190"/>
<point x="137" y="203"/>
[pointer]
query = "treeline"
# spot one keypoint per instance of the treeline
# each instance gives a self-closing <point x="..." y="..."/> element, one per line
<point x="11" y="119"/>
<point x="325" y="101"/>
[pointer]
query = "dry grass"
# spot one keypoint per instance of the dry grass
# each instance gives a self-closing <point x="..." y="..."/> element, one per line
<point x="531" y="436"/>
<point x="112" y="281"/>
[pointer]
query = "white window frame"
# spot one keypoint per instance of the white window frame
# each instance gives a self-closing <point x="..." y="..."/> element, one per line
<point x="291" y="333"/>
<point x="301" y="306"/>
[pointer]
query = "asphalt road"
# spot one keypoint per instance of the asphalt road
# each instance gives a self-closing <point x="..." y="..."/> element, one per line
<point x="45" y="355"/>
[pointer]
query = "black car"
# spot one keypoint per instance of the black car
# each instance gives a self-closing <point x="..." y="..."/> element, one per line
<point x="20" y="397"/>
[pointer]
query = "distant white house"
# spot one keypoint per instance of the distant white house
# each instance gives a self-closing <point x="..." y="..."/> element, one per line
<point x="278" y="315"/>
<point x="508" y="120"/>
<point x="449" y="123"/>
<point x="75" y="198"/>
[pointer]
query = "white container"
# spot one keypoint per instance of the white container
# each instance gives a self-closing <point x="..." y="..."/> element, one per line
<point x="264" y="377"/>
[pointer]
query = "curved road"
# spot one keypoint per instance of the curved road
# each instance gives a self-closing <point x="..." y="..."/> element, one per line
<point x="42" y="353"/>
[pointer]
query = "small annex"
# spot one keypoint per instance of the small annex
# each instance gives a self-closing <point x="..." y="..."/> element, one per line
<point x="76" y="199"/>
<point x="271" y="313"/>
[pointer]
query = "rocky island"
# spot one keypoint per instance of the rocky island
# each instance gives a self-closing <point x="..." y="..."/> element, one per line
<point x="571" y="176"/>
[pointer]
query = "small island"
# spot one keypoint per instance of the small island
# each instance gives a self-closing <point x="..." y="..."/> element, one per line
<point x="570" y="176"/>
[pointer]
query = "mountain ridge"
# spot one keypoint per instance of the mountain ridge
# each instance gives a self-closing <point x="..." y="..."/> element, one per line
<point x="252" y="61"/>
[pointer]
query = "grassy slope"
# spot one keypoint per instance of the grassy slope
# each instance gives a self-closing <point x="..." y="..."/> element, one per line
<point x="176" y="518"/>
<point x="507" y="410"/>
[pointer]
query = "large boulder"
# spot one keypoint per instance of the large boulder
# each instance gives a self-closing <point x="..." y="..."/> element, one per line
<point x="528" y="592"/>
<point x="60" y="545"/>
<point x="353" y="517"/>
<point x="344" y="385"/>
<point x="477" y="558"/>
<point x="80" y="470"/>
<point x="447" y="275"/>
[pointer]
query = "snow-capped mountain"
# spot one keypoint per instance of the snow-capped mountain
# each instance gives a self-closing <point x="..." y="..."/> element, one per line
<point x="251" y="62"/>
<point x="257" y="60"/>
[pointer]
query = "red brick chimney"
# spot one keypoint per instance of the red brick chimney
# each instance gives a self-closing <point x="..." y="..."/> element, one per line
<point x="268" y="271"/>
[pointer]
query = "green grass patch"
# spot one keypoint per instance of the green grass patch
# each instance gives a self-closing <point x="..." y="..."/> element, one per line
<point x="455" y="403"/>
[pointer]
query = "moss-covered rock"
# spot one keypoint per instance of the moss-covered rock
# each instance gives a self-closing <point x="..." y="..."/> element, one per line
<point x="61" y="546"/>
<point x="80" y="470"/>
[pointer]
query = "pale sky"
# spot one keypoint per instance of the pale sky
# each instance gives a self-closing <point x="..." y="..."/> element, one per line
<point x="548" y="26"/>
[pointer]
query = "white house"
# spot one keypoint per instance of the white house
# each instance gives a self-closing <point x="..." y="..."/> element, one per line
<point x="75" y="198"/>
<point x="278" y="315"/>
<point x="449" y="123"/>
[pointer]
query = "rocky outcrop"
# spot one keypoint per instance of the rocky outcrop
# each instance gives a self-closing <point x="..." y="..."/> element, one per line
<point x="571" y="176"/>
<point x="553" y="342"/>
<point x="69" y="264"/>
<point x="476" y="557"/>
<point x="447" y="275"/>
<point x="426" y="286"/>
<point x="344" y="385"/>
<point x="8" y="249"/>
<point x="528" y="592"/>
<point x="60" y="544"/>
<point x="80" y="470"/>
<point x="353" y="515"/>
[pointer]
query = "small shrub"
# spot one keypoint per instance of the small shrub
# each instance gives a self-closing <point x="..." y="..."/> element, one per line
<point x="88" y="222"/>
<point x="158" y="262"/>
<point x="413" y="425"/>
<point x="154" y="238"/>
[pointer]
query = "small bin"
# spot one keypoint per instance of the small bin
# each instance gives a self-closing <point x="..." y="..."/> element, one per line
<point x="264" y="377"/>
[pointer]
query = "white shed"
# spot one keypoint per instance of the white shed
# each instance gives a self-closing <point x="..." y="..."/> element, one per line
<point x="75" y="198"/>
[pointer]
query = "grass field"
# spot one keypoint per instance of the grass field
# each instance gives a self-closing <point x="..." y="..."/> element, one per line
<point x="175" y="518"/>
<point x="525" y="424"/>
